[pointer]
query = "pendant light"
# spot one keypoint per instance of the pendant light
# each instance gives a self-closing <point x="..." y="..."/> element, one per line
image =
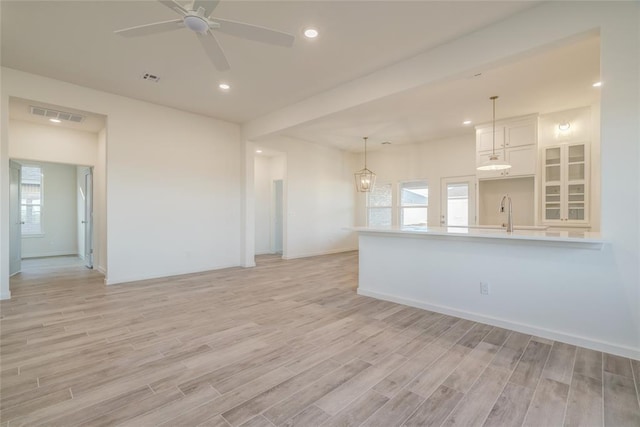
<point x="494" y="163"/>
<point x="365" y="179"/>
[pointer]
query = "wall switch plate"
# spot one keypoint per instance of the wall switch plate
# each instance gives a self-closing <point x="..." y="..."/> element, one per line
<point x="484" y="288"/>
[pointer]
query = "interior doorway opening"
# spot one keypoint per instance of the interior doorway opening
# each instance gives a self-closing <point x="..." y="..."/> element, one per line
<point x="270" y="189"/>
<point x="51" y="221"/>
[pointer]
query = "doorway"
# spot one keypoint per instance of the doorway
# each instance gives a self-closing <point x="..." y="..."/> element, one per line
<point x="51" y="207"/>
<point x="458" y="201"/>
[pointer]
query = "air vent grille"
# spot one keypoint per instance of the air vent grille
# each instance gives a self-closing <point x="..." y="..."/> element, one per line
<point x="54" y="114"/>
<point x="151" y="77"/>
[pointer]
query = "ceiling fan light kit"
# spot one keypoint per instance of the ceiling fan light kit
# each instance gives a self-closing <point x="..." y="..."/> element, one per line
<point x="196" y="24"/>
<point x="199" y="20"/>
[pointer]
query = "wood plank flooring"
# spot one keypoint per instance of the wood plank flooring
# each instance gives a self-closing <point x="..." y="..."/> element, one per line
<point x="288" y="343"/>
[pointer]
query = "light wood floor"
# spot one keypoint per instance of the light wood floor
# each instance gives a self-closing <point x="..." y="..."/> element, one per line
<point x="285" y="343"/>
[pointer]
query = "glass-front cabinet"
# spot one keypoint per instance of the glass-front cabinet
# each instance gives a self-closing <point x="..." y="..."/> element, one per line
<point x="565" y="185"/>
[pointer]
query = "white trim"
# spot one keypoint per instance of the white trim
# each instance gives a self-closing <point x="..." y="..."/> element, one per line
<point x="4" y="296"/>
<point x="50" y="254"/>
<point x="102" y="270"/>
<point x="129" y="279"/>
<point x="269" y="252"/>
<point x="319" y="253"/>
<point x="578" y="340"/>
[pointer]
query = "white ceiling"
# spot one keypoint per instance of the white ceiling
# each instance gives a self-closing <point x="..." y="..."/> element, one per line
<point x="558" y="79"/>
<point x="74" y="41"/>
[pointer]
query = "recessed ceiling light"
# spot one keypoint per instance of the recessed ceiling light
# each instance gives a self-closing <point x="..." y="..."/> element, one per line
<point x="258" y="151"/>
<point x="466" y="122"/>
<point x="55" y="120"/>
<point x="224" y="86"/>
<point x="597" y="84"/>
<point x="311" y="33"/>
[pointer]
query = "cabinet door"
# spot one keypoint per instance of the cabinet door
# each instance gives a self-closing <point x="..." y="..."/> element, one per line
<point x="522" y="161"/>
<point x="552" y="191"/>
<point x="521" y="133"/>
<point x="484" y="139"/>
<point x="483" y="157"/>
<point x="576" y="183"/>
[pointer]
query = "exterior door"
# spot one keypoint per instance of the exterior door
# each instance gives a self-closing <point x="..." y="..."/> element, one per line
<point x="88" y="218"/>
<point x="15" y="218"/>
<point x="458" y="201"/>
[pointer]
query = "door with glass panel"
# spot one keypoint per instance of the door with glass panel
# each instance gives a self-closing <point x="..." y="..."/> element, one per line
<point x="458" y="201"/>
<point x="565" y="186"/>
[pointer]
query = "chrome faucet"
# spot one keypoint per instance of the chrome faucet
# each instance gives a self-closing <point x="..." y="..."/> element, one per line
<point x="510" y="215"/>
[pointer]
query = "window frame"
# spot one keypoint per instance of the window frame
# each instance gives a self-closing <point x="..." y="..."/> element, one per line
<point x="369" y="208"/>
<point x="41" y="233"/>
<point x="401" y="207"/>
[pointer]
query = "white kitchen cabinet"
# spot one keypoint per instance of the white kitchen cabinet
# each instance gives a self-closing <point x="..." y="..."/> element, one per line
<point x="484" y="138"/>
<point x="521" y="132"/>
<point x="565" y="186"/>
<point x="516" y="141"/>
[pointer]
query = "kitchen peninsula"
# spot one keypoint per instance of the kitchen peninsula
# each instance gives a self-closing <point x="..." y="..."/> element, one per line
<point x="490" y="276"/>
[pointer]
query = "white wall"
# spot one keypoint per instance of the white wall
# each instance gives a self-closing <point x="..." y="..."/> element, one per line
<point x="263" y="197"/>
<point x="59" y="214"/>
<point x="319" y="198"/>
<point x="173" y="182"/>
<point x="100" y="206"/>
<point x="51" y="143"/>
<point x="521" y="191"/>
<point x="431" y="160"/>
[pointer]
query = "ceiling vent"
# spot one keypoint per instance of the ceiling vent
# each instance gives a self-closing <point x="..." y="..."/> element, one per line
<point x="150" y="77"/>
<point x="54" y="114"/>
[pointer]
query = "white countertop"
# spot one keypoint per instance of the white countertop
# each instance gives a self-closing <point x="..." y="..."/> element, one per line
<point x="573" y="238"/>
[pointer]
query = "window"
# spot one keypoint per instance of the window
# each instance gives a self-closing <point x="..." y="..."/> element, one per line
<point x="31" y="200"/>
<point x="379" y="203"/>
<point x="414" y="202"/>
<point x="458" y="204"/>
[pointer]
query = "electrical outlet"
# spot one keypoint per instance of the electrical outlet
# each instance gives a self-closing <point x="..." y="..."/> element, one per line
<point x="484" y="288"/>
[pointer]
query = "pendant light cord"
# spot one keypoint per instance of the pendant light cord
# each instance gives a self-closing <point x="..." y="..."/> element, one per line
<point x="365" y="151"/>
<point x="493" y="98"/>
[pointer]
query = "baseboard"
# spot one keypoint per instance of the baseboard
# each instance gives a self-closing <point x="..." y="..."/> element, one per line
<point x="329" y="252"/>
<point x="132" y="279"/>
<point x="49" y="254"/>
<point x="6" y="295"/>
<point x="102" y="270"/>
<point x="577" y="340"/>
<point x="264" y="253"/>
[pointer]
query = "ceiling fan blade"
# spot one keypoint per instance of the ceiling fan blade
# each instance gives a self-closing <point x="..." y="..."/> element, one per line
<point x="254" y="32"/>
<point x="207" y="5"/>
<point x="174" y="6"/>
<point x="156" y="27"/>
<point x="213" y="50"/>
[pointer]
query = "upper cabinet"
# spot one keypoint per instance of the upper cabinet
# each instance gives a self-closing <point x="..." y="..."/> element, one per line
<point x="515" y="140"/>
<point x="566" y="184"/>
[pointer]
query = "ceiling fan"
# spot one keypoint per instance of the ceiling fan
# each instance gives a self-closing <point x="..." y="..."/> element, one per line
<point x="199" y="20"/>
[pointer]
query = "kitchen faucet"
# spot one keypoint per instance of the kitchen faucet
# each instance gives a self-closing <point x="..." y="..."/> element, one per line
<point x="510" y="214"/>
